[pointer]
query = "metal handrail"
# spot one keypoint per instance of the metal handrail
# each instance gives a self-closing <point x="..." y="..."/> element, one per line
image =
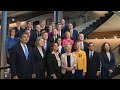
<point x="115" y="47"/>
<point x="4" y="67"/>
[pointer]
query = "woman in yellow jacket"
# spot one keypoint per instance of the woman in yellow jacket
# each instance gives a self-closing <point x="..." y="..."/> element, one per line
<point x="81" y="61"/>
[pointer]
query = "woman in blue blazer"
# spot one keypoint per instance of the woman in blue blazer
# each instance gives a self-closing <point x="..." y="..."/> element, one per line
<point x="107" y="61"/>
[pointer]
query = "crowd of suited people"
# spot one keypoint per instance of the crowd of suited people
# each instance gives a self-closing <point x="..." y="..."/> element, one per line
<point x="55" y="52"/>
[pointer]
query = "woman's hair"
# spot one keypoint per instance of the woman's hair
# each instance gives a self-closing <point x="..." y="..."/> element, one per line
<point x="37" y="40"/>
<point x="11" y="31"/>
<point x="67" y="45"/>
<point x="103" y="47"/>
<point x="65" y="35"/>
<point x="76" y="44"/>
<point x="51" y="46"/>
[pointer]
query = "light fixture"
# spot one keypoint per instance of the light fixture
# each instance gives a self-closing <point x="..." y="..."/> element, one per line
<point x="115" y="37"/>
<point x="13" y="19"/>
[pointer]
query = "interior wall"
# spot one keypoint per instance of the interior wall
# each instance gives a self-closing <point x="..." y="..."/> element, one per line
<point x="113" y="42"/>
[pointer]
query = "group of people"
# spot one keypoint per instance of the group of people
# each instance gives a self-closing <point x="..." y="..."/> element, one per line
<point x="56" y="52"/>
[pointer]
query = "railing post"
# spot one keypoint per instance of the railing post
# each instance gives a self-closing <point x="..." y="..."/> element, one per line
<point x="3" y="30"/>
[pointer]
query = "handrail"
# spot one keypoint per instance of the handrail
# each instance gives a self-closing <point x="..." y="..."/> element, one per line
<point x="4" y="67"/>
<point x="115" y="47"/>
<point x="79" y="16"/>
<point x="74" y="18"/>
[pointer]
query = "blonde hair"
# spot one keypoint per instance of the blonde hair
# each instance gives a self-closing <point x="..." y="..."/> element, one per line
<point x="36" y="42"/>
<point x="65" y="35"/>
<point x="68" y="43"/>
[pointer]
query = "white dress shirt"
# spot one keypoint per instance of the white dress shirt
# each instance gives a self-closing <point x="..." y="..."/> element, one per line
<point x="60" y="48"/>
<point x="59" y="33"/>
<point x="71" y="32"/>
<point x="82" y="45"/>
<point x="45" y="45"/>
<point x="91" y="53"/>
<point x="108" y="55"/>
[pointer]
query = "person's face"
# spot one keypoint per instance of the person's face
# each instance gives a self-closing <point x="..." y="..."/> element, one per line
<point x="107" y="47"/>
<point x="55" y="47"/>
<point x="38" y="28"/>
<point x="91" y="47"/>
<point x="68" y="35"/>
<point x="77" y="45"/>
<point x="45" y="36"/>
<point x="53" y="24"/>
<point x="43" y="23"/>
<point x="59" y="27"/>
<point x="70" y="26"/>
<point x="18" y="23"/>
<point x="68" y="48"/>
<point x="62" y="21"/>
<point x="24" y="38"/>
<point x="59" y="41"/>
<point x="28" y="32"/>
<point x="29" y="25"/>
<point x="40" y="42"/>
<point x="81" y="37"/>
<point x="50" y="28"/>
<point x="12" y="32"/>
<point x="55" y="32"/>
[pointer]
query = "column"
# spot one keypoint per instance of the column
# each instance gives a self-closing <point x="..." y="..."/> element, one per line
<point x="57" y="16"/>
<point x="3" y="32"/>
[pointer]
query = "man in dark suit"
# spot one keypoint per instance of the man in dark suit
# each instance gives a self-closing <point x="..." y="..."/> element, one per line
<point x="43" y="26"/>
<point x="64" y="26"/>
<point x="84" y="45"/>
<point x="22" y="66"/>
<point x="60" y="31"/>
<point x="18" y="29"/>
<point x="93" y="63"/>
<point x="46" y="44"/>
<point x="53" y="38"/>
<point x="37" y="32"/>
<point x="29" y="25"/>
<point x="73" y="33"/>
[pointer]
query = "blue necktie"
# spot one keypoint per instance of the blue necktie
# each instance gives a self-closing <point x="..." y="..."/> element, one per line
<point x="26" y="52"/>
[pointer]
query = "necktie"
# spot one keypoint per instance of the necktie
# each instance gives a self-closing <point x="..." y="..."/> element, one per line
<point x="91" y="55"/>
<point x="38" y="34"/>
<point x="81" y="46"/>
<point x="26" y="52"/>
<point x="45" y="45"/>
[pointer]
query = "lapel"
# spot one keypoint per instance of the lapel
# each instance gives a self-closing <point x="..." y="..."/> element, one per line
<point x="21" y="50"/>
<point x="107" y="59"/>
<point x="39" y="52"/>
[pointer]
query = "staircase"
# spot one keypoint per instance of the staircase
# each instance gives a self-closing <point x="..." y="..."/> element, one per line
<point x="96" y="24"/>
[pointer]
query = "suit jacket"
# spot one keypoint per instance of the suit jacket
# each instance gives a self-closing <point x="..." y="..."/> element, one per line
<point x="64" y="62"/>
<point x="53" y="67"/>
<point x="93" y="65"/>
<point x="85" y="46"/>
<point x="40" y="62"/>
<point x="18" y="32"/>
<point x="51" y="39"/>
<point x="65" y="28"/>
<point x="106" y="64"/>
<point x="20" y="66"/>
<point x="75" y="35"/>
<point x="31" y="41"/>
